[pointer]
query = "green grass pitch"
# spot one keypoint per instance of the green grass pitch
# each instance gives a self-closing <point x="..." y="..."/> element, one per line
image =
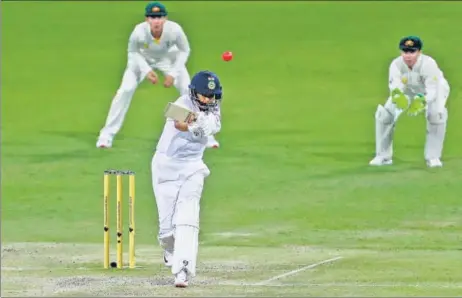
<point x="290" y="185"/>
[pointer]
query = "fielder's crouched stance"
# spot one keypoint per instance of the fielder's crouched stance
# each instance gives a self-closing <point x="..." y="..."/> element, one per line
<point x="178" y="174"/>
<point x="417" y="84"/>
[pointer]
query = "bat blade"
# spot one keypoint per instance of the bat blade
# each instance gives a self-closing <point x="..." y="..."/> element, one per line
<point x="178" y="113"/>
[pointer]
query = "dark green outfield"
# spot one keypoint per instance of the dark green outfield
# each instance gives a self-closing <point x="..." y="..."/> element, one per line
<point x="298" y="127"/>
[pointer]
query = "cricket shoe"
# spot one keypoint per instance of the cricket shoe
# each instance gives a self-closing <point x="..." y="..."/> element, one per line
<point x="434" y="163"/>
<point x="181" y="279"/>
<point x="168" y="258"/>
<point x="212" y="142"/>
<point x="104" y="143"/>
<point x="380" y="161"/>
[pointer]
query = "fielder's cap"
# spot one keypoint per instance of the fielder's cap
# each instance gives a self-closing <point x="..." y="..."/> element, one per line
<point x="410" y="43"/>
<point x="155" y="9"/>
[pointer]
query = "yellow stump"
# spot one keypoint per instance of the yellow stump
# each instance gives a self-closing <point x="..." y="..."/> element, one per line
<point x="131" y="220"/>
<point x="119" y="223"/>
<point x="106" y="220"/>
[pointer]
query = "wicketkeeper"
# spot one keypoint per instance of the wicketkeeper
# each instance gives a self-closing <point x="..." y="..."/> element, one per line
<point x="417" y="85"/>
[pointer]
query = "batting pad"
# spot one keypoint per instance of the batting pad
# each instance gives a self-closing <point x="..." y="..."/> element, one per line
<point x="186" y="223"/>
<point x="165" y="195"/>
<point x="188" y="203"/>
<point x="167" y="242"/>
<point x="186" y="249"/>
<point x="436" y="132"/>
<point x="384" y="130"/>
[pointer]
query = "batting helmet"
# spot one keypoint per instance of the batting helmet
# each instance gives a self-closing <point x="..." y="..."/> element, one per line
<point x="208" y="84"/>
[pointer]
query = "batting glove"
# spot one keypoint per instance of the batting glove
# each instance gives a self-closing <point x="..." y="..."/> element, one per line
<point x="204" y="121"/>
<point x="399" y="99"/>
<point x="197" y="131"/>
<point x="417" y="105"/>
<point x="201" y="127"/>
<point x="200" y="117"/>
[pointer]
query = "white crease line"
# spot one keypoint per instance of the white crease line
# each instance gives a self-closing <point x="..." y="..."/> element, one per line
<point x="296" y="271"/>
<point x="22" y="268"/>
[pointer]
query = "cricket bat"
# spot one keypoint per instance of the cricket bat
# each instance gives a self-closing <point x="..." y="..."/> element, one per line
<point x="179" y="113"/>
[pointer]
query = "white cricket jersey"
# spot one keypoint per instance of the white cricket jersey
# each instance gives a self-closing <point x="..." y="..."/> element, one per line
<point x="144" y="50"/>
<point x="425" y="77"/>
<point x="182" y="145"/>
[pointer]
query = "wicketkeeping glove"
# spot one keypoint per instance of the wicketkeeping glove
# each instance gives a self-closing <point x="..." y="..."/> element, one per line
<point x="417" y="105"/>
<point x="399" y="99"/>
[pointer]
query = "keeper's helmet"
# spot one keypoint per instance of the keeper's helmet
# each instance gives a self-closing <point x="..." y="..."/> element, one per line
<point x="207" y="84"/>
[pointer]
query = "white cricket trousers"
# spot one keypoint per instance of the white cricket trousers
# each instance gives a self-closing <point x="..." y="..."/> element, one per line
<point x="178" y="189"/>
<point x="130" y="82"/>
<point x="437" y="117"/>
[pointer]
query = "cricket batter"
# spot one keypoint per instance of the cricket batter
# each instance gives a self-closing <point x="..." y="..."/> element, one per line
<point x="416" y="85"/>
<point x="178" y="174"/>
<point x="156" y="44"/>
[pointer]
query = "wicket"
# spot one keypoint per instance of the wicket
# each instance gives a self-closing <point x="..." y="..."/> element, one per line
<point x="131" y="217"/>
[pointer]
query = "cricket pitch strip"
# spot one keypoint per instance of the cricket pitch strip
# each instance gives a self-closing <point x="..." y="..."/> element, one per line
<point x="71" y="270"/>
<point x="47" y="269"/>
